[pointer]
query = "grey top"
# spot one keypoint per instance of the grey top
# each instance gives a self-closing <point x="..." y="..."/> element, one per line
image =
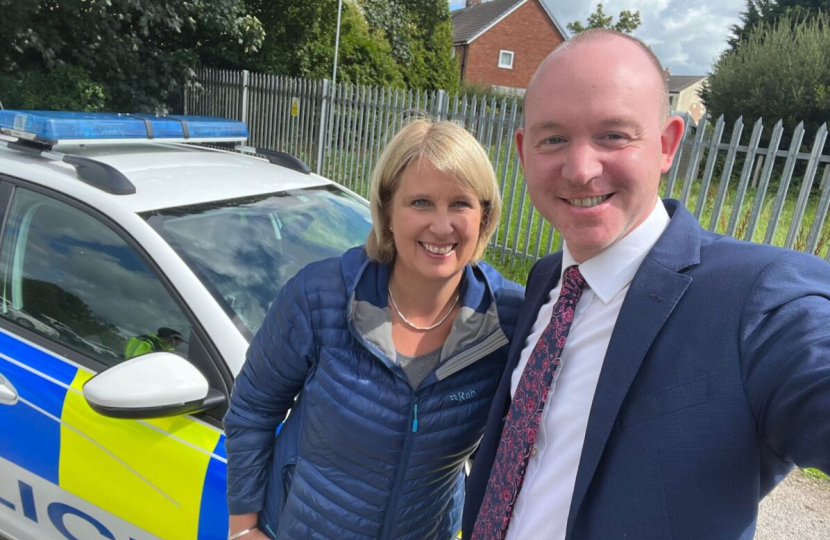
<point x="473" y="335"/>
<point x="418" y="367"/>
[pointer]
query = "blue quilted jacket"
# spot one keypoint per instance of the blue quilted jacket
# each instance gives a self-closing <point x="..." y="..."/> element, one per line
<point x="362" y="455"/>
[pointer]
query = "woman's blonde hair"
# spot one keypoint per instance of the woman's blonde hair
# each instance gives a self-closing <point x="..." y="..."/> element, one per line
<point x="452" y="150"/>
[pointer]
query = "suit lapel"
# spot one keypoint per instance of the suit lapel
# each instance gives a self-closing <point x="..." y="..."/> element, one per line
<point x="654" y="292"/>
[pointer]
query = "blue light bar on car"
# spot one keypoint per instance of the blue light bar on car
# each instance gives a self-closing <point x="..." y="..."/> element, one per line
<point x="55" y="127"/>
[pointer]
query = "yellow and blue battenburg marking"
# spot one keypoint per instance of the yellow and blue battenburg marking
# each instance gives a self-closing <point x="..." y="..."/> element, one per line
<point x="163" y="477"/>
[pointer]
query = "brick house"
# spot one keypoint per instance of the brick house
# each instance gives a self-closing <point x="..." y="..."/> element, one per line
<point x="501" y="43"/>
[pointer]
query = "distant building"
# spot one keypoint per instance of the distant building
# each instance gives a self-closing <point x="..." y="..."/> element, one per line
<point x="684" y="94"/>
<point x="502" y="42"/>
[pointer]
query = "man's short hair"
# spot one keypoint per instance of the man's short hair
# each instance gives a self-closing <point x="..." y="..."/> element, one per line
<point x="595" y="34"/>
<point x="452" y="150"/>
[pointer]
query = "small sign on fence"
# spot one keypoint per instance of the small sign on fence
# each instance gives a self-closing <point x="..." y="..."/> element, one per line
<point x="295" y="106"/>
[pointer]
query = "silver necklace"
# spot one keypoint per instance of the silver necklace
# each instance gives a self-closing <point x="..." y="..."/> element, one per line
<point x="415" y="326"/>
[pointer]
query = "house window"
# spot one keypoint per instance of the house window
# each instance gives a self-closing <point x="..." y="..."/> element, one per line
<point x="506" y="59"/>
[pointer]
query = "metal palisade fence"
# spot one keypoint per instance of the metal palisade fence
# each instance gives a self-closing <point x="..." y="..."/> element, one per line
<point x="742" y="184"/>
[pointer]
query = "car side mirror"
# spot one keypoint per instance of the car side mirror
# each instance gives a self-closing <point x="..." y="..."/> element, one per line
<point x="151" y="386"/>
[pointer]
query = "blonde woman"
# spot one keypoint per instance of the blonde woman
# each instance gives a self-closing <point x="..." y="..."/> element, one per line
<point x="393" y="352"/>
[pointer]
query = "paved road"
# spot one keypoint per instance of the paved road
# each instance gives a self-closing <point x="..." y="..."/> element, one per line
<point x="798" y="509"/>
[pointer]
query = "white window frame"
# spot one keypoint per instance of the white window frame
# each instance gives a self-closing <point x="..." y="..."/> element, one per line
<point x="504" y="65"/>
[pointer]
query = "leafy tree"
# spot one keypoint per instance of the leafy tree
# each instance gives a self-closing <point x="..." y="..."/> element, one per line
<point x="420" y="35"/>
<point x="299" y="42"/>
<point x="364" y="55"/>
<point x="290" y="28"/>
<point x="391" y="17"/>
<point x="770" y="11"/>
<point x="782" y="70"/>
<point x="432" y="66"/>
<point x="64" y="88"/>
<point x="749" y="20"/>
<point x="627" y="21"/>
<point x="433" y="30"/>
<point x="116" y="54"/>
<point x="383" y="42"/>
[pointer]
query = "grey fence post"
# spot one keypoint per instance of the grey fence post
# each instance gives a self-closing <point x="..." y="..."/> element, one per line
<point x="321" y="131"/>
<point x="806" y="186"/>
<point x="440" y="104"/>
<point x="737" y="130"/>
<point x="245" y="78"/>
<point x="186" y="96"/>
<point x="694" y="161"/>
<point x="758" y="166"/>
<point x="706" y="181"/>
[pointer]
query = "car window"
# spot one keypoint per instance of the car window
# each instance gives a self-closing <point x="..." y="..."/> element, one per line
<point x="69" y="277"/>
<point x="244" y="250"/>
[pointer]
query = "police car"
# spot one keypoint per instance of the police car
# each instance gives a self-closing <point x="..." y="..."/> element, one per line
<point x="135" y="268"/>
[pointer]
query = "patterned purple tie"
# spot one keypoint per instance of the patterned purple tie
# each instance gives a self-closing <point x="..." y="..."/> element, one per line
<point x="522" y="423"/>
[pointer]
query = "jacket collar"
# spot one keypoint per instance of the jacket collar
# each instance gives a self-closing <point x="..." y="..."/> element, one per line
<point x="476" y="330"/>
<point x="679" y="247"/>
<point x="610" y="271"/>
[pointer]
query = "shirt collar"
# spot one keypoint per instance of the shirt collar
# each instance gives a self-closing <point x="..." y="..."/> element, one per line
<point x="610" y="271"/>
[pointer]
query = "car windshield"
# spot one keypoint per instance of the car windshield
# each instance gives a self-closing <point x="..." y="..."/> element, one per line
<point x="244" y="250"/>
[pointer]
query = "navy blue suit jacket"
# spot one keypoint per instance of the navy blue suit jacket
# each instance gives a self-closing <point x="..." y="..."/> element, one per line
<point x="716" y="381"/>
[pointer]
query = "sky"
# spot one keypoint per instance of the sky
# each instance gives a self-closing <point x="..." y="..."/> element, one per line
<point x="687" y="35"/>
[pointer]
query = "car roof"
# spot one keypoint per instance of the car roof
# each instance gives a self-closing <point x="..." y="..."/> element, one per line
<point x="165" y="175"/>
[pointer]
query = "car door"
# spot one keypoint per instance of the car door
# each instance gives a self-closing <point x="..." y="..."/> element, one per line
<point x="74" y="290"/>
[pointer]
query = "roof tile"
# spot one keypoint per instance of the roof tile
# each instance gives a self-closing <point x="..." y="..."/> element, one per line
<point x="469" y="22"/>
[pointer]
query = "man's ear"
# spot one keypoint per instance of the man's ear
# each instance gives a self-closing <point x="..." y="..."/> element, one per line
<point x="520" y="136"/>
<point x="670" y="140"/>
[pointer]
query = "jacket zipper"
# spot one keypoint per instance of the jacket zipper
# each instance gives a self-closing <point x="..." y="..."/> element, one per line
<point x="415" y="419"/>
<point x="408" y="441"/>
<point x="396" y="487"/>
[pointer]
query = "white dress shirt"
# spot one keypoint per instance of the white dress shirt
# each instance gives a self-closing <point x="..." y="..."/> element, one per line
<point x="541" y="509"/>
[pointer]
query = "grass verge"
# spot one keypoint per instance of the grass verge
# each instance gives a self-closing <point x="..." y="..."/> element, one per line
<point x="815" y="473"/>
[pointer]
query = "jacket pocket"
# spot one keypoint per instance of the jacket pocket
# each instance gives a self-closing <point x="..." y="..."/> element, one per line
<point x="668" y="400"/>
<point x="287" y="478"/>
<point x="279" y="487"/>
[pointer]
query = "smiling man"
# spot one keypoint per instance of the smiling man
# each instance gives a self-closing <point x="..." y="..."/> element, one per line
<point x="662" y="379"/>
<point x="598" y="137"/>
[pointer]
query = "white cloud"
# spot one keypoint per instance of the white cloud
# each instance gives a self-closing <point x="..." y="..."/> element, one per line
<point x="689" y="38"/>
<point x="686" y="36"/>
